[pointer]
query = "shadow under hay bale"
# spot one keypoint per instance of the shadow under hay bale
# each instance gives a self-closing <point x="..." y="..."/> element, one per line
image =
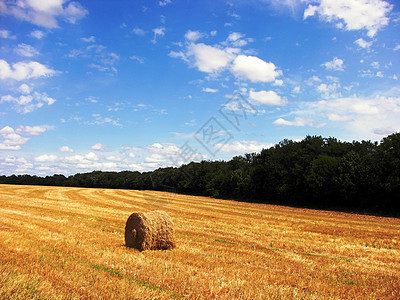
<point x="150" y="231"/>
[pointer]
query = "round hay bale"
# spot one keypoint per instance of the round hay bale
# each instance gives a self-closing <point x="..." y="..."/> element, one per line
<point x="150" y="231"/>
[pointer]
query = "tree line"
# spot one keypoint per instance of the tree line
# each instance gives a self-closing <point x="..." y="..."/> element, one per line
<point x="317" y="172"/>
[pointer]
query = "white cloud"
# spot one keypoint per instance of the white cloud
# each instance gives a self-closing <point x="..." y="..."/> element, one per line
<point x="296" y="90"/>
<point x="298" y="121"/>
<point x="83" y="161"/>
<point x="397" y="48"/>
<point x="46" y="158"/>
<point x="362" y="106"/>
<point x="32" y="130"/>
<point x="42" y="98"/>
<point x="375" y="65"/>
<point x="210" y="90"/>
<point x="236" y="39"/>
<point x="74" y="12"/>
<point x="236" y="103"/>
<point x="210" y="59"/>
<point x="92" y="99"/>
<point x="102" y="61"/>
<point x="37" y="34"/>
<point x="162" y="155"/>
<point x="285" y="5"/>
<point x="74" y="53"/>
<point x="139" y="31"/>
<point x="217" y="58"/>
<point x="242" y="147"/>
<point x="98" y="147"/>
<point x="6" y="34"/>
<point x="110" y="58"/>
<point x="10" y="140"/>
<point x="155" y="159"/>
<point x="336" y="64"/>
<point x="254" y="69"/>
<point x="6" y="130"/>
<point x="76" y="159"/>
<point x="66" y="149"/>
<point x="26" y="50"/>
<point x="338" y="118"/>
<point x="310" y="11"/>
<point x="109" y="166"/>
<point x="313" y="80"/>
<point x="24" y="89"/>
<point x="44" y="13"/>
<point x="370" y="15"/>
<point x="90" y="39"/>
<point x="359" y="117"/>
<point x="234" y="36"/>
<point x="91" y="156"/>
<point x="137" y="158"/>
<point x="164" y="2"/>
<point x="363" y="44"/>
<point x="193" y="35"/>
<point x="159" y="155"/>
<point x="178" y="54"/>
<point x="113" y="158"/>
<point x="165" y="149"/>
<point x="22" y="100"/>
<point x="137" y="58"/>
<point x="100" y="120"/>
<point x="329" y="90"/>
<point x="28" y="103"/>
<point x="96" y="48"/>
<point x="24" y="70"/>
<point x="267" y="98"/>
<point x="160" y="31"/>
<point x="370" y="74"/>
<point x="12" y="164"/>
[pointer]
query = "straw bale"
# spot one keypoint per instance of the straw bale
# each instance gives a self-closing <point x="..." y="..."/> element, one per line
<point x="150" y="231"/>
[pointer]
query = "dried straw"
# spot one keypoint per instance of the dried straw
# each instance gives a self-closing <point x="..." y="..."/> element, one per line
<point x="150" y="231"/>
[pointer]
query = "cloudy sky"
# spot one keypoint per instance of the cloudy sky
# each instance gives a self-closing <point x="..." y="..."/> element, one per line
<point x="137" y="85"/>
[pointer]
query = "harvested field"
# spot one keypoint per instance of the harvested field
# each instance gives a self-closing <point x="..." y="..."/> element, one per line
<point x="69" y="243"/>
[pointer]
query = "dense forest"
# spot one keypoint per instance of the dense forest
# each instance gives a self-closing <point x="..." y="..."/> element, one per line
<point x="316" y="172"/>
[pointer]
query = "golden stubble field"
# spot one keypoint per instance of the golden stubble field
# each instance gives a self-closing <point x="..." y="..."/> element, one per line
<point x="67" y="243"/>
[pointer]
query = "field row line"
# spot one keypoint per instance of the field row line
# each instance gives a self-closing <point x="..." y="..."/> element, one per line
<point x="267" y="248"/>
<point x="118" y="274"/>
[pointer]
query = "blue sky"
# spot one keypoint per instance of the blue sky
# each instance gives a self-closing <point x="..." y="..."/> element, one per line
<point x="138" y="85"/>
